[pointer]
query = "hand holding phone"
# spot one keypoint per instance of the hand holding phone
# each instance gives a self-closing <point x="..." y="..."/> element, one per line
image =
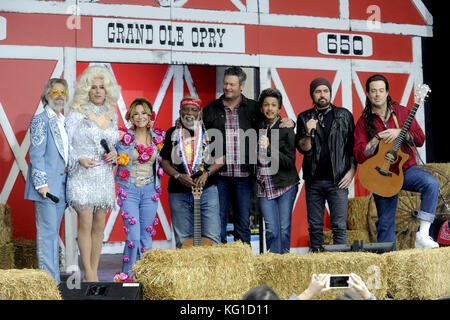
<point x="338" y="281"/>
<point x="359" y="286"/>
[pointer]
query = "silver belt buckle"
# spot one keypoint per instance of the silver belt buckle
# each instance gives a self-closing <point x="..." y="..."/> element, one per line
<point x="143" y="181"/>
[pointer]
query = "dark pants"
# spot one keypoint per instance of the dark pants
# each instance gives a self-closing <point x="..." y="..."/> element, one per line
<point x="317" y="192"/>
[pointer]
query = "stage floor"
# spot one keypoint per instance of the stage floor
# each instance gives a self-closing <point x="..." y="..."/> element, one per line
<point x="109" y="265"/>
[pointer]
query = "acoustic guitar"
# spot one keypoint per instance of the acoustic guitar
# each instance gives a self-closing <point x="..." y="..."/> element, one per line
<point x="197" y="240"/>
<point x="382" y="174"/>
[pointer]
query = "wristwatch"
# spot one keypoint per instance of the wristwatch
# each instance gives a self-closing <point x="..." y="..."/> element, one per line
<point x="176" y="175"/>
<point x="208" y="172"/>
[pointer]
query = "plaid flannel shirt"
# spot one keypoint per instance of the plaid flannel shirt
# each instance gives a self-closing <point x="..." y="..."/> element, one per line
<point x="233" y="165"/>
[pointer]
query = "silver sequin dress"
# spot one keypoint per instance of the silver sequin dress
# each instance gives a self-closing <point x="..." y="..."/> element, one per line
<point x="90" y="187"/>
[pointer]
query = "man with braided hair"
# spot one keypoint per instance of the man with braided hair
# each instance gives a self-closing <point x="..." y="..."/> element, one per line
<point x="185" y="158"/>
<point x="382" y="119"/>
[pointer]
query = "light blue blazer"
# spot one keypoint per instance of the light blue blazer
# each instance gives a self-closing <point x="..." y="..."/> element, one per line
<point x="47" y="165"/>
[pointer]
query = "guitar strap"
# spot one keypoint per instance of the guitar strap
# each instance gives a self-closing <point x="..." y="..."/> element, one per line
<point x="395" y="120"/>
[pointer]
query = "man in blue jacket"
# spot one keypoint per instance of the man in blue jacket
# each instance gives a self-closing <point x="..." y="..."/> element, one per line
<point x="47" y="173"/>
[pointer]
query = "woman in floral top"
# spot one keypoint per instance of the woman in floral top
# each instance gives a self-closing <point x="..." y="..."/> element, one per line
<point x="139" y="180"/>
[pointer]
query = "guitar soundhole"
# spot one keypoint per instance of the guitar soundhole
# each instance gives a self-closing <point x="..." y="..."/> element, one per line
<point x="390" y="157"/>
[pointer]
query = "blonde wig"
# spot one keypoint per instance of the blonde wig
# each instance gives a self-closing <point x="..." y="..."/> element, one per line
<point x="81" y="95"/>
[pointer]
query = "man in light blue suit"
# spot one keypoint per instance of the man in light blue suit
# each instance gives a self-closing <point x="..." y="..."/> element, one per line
<point x="47" y="174"/>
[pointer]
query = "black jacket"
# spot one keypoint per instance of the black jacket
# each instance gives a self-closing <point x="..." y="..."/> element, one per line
<point x="287" y="174"/>
<point x="340" y="143"/>
<point x="214" y="117"/>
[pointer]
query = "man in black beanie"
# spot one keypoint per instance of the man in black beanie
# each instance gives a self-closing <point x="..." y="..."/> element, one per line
<point x="325" y="138"/>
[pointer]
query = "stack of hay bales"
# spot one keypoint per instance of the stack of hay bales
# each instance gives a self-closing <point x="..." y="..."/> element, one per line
<point x="6" y="246"/>
<point x="228" y="271"/>
<point x="291" y="274"/>
<point x="27" y="284"/>
<point x="210" y="272"/>
<point x="418" y="274"/>
<point x="25" y="254"/>
<point x="21" y="284"/>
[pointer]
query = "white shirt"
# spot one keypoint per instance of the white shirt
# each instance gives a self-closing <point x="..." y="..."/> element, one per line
<point x="60" y="122"/>
<point x="62" y="132"/>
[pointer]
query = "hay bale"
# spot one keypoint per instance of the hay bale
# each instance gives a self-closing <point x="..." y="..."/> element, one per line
<point x="6" y="255"/>
<point x="285" y="273"/>
<point x="418" y="274"/>
<point x="357" y="213"/>
<point x="224" y="271"/>
<point x="290" y="273"/>
<point x="25" y="254"/>
<point x="352" y="235"/>
<point x="5" y="224"/>
<point x="27" y="284"/>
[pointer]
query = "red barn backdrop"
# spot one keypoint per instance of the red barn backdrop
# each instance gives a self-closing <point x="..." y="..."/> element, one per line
<point x="164" y="49"/>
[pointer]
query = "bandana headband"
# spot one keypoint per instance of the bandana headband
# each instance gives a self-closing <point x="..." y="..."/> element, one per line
<point x="192" y="102"/>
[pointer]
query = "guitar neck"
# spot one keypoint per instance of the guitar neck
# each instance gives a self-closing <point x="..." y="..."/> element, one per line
<point x="399" y="140"/>
<point x="197" y="223"/>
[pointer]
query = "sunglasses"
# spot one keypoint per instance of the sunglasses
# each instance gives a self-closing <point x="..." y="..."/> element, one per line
<point x="55" y="93"/>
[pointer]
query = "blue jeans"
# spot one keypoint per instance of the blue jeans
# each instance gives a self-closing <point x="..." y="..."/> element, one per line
<point x="277" y="216"/>
<point x="182" y="213"/>
<point x="140" y="206"/>
<point x="416" y="180"/>
<point x="317" y="192"/>
<point x="48" y="222"/>
<point x="238" y="192"/>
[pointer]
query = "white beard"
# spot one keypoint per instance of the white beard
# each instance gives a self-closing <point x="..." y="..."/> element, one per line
<point x="188" y="122"/>
<point x="56" y="107"/>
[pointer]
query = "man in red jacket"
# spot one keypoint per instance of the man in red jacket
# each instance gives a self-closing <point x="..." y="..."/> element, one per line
<point x="378" y="122"/>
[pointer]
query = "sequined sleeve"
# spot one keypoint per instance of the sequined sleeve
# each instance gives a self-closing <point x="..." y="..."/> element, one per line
<point x="38" y="137"/>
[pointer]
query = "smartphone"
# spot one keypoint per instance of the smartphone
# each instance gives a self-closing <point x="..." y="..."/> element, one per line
<point x="338" y="281"/>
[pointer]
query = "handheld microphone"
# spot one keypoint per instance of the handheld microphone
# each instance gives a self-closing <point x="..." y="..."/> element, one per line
<point x="313" y="131"/>
<point x="268" y="128"/>
<point x="55" y="199"/>
<point x="106" y="147"/>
